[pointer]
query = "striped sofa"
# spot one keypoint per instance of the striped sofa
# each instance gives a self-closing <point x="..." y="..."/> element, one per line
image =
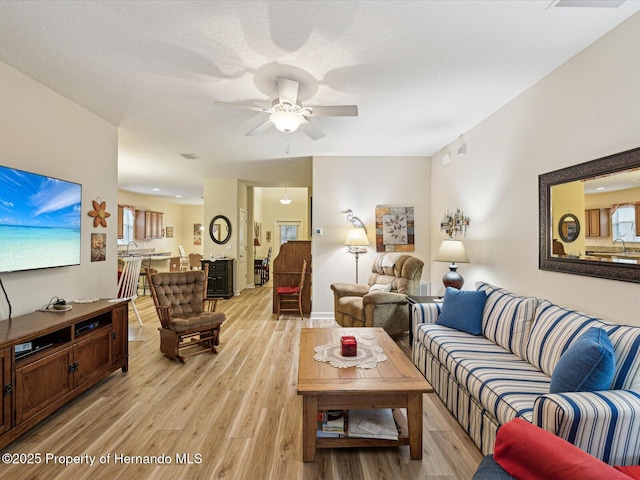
<point x="487" y="380"/>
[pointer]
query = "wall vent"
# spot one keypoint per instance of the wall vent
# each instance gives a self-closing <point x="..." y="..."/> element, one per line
<point x="586" y="3"/>
<point x="424" y="289"/>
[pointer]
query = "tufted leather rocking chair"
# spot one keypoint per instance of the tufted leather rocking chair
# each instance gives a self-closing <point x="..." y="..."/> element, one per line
<point x="187" y="323"/>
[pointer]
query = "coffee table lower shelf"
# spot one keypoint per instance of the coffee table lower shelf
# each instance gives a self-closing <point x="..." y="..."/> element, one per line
<point x="412" y="402"/>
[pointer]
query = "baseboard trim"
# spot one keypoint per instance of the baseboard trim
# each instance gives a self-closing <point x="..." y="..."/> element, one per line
<point x="322" y="316"/>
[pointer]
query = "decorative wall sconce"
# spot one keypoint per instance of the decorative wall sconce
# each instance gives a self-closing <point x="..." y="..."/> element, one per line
<point x="454" y="223"/>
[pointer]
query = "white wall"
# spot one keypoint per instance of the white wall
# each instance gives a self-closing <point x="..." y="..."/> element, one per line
<point x="44" y="133"/>
<point x="586" y="109"/>
<point x="361" y="183"/>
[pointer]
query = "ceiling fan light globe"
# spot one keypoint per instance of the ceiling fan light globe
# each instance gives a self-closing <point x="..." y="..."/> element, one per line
<point x="286" y="121"/>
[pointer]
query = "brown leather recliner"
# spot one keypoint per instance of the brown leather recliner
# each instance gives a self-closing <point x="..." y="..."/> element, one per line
<point x="362" y="306"/>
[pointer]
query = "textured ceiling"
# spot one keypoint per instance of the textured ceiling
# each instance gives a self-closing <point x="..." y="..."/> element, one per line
<point x="421" y="73"/>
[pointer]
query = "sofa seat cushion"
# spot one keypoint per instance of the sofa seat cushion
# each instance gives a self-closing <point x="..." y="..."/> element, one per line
<point x="351" y="306"/>
<point x="507" y="318"/>
<point x="182" y="323"/>
<point x="504" y="384"/>
<point x="554" y="329"/>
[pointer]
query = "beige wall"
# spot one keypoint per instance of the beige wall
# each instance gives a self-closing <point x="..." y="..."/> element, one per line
<point x="586" y="109"/>
<point x="361" y="183"/>
<point x="43" y="132"/>
<point x="568" y="198"/>
<point x="274" y="211"/>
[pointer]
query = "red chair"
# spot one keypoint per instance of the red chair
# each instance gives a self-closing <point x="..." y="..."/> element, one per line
<point x="289" y="299"/>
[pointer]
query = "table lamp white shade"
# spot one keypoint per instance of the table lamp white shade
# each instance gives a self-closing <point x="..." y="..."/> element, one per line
<point x="356" y="237"/>
<point x="453" y="251"/>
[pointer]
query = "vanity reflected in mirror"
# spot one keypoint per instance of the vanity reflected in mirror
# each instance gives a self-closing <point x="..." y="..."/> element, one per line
<point x="589" y="218"/>
<point x="220" y="229"/>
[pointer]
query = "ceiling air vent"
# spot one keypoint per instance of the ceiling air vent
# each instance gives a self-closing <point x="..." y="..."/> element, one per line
<point x="586" y="3"/>
<point x="190" y="156"/>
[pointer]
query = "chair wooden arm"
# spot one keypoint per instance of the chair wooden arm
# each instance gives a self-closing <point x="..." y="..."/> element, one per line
<point x="164" y="314"/>
<point x="210" y="304"/>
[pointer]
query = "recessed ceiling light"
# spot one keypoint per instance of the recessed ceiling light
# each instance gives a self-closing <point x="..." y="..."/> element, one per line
<point x="600" y="188"/>
<point x="156" y="189"/>
<point x="178" y="196"/>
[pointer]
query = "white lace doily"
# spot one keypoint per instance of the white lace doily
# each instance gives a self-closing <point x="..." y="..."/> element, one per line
<point x="368" y="356"/>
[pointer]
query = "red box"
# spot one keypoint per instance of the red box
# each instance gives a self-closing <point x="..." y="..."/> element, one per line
<point x="349" y="346"/>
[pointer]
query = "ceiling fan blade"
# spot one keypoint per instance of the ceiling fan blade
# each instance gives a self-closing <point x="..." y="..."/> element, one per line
<point x="263" y="127"/>
<point x="310" y="130"/>
<point x="244" y="107"/>
<point x="334" y="111"/>
<point x="287" y="90"/>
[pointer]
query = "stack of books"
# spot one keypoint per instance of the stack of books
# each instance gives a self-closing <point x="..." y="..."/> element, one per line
<point x="332" y="423"/>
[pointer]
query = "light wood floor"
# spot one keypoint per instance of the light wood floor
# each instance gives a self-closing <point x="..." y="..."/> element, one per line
<point x="236" y="414"/>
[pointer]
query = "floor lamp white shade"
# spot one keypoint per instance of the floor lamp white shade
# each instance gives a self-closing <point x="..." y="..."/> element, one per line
<point x="356" y="241"/>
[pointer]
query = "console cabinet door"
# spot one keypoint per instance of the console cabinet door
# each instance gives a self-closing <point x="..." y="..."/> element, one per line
<point x="92" y="356"/>
<point x="7" y="387"/>
<point x="120" y="334"/>
<point x="43" y="382"/>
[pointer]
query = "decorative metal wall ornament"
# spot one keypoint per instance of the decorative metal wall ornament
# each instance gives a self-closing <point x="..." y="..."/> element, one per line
<point x="455" y="223"/>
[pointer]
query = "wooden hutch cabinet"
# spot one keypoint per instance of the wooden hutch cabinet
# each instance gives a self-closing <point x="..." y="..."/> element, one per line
<point x="48" y="358"/>
<point x="220" y="278"/>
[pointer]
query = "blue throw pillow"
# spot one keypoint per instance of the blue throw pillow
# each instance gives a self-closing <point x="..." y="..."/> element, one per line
<point x="462" y="310"/>
<point x="588" y="365"/>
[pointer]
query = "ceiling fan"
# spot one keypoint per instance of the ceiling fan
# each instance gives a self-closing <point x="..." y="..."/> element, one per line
<point x="288" y="114"/>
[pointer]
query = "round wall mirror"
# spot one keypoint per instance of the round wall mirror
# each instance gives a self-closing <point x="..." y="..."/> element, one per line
<point x="220" y="229"/>
<point x="569" y="228"/>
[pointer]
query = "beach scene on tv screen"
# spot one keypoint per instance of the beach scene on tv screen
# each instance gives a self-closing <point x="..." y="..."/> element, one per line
<point x="39" y="221"/>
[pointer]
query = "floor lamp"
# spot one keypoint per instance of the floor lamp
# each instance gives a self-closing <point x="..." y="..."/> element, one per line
<point x="356" y="241"/>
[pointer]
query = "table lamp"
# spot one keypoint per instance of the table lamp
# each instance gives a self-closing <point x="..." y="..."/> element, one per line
<point x="256" y="243"/>
<point x="453" y="251"/>
<point x="356" y="240"/>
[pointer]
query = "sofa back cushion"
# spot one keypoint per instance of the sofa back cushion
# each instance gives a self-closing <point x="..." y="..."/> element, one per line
<point x="554" y="329"/>
<point x="507" y="318"/>
<point x="626" y="346"/>
<point x="402" y="272"/>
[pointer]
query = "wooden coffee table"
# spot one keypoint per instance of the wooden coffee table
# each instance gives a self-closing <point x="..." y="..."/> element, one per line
<point x="395" y="383"/>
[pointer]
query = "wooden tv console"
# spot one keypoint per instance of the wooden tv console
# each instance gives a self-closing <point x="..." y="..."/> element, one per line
<point x="71" y="351"/>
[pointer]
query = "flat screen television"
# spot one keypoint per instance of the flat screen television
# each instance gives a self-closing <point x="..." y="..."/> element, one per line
<point x="39" y="221"/>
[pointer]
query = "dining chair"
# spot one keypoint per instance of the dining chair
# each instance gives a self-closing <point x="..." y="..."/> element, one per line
<point x="128" y="282"/>
<point x="289" y="298"/>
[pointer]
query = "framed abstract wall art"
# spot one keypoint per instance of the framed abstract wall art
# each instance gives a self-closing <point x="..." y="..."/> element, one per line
<point x="394" y="229"/>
